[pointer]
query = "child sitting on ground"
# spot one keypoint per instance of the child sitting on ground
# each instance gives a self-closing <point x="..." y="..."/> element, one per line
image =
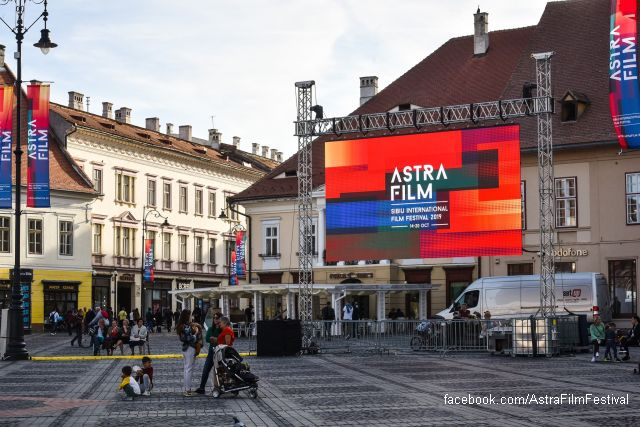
<point x="610" y="337"/>
<point x="128" y="384"/>
<point x="144" y="376"/>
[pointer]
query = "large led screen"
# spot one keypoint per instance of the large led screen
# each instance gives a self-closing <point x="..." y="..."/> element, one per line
<point x="428" y="195"/>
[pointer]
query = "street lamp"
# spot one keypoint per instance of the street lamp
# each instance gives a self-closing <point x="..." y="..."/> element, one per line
<point x="16" y="347"/>
<point x="223" y="216"/>
<point x="145" y="214"/>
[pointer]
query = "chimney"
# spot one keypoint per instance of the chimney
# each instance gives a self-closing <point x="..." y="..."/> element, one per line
<point x="273" y="153"/>
<point x="152" y="123"/>
<point x="215" y="138"/>
<point x="279" y="157"/>
<point x="107" y="110"/>
<point x="265" y="151"/>
<point x="123" y="115"/>
<point x="184" y="132"/>
<point x="255" y="148"/>
<point x="236" y="141"/>
<point x="76" y="100"/>
<point x="368" y="88"/>
<point x="169" y="128"/>
<point x="480" y="32"/>
<point x="2" y="56"/>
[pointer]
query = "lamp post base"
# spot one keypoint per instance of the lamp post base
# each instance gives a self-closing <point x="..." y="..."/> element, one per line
<point x="16" y="347"/>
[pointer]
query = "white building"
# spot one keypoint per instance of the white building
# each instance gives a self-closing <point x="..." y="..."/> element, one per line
<point x="142" y="172"/>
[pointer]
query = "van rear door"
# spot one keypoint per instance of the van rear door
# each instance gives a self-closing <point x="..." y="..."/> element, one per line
<point x="601" y="298"/>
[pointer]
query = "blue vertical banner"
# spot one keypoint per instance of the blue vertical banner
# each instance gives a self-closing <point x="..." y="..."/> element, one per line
<point x="38" y="146"/>
<point x="148" y="261"/>
<point x="6" y="130"/>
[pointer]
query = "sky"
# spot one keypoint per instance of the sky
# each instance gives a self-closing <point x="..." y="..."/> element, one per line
<point x="187" y="61"/>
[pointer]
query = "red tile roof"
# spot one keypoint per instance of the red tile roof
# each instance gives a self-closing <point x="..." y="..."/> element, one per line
<point x="64" y="173"/>
<point x="577" y="30"/>
<point x="83" y="119"/>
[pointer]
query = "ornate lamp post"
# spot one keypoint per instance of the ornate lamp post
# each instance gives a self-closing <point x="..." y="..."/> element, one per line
<point x="16" y="347"/>
<point x="145" y="214"/>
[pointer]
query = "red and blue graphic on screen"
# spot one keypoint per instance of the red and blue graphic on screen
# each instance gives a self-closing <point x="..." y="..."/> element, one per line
<point x="432" y="195"/>
<point x="149" y="272"/>
<point x="38" y="146"/>
<point x="624" y="88"/>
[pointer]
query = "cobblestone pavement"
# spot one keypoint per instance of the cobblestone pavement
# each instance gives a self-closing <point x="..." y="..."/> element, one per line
<point x="330" y="389"/>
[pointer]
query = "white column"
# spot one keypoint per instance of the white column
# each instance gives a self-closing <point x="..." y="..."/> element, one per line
<point x="422" y="304"/>
<point x="335" y="303"/>
<point x="381" y="308"/>
<point x="321" y="237"/>
<point x="257" y="304"/>
<point x="225" y="305"/>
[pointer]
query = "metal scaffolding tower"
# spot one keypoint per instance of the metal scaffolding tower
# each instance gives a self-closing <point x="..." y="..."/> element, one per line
<point x="546" y="186"/>
<point x="540" y="105"/>
<point x="305" y="187"/>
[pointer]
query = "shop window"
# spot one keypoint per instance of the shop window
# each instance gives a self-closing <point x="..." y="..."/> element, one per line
<point x="623" y="287"/>
<point x="520" y="269"/>
<point x="565" y="267"/>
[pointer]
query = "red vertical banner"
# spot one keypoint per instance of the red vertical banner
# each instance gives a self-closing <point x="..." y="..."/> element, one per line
<point x="38" y="146"/>
<point x="6" y="130"/>
<point x="233" y="274"/>
<point x="241" y="264"/>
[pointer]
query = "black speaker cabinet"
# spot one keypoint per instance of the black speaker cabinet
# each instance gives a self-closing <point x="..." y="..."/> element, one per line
<point x="279" y="337"/>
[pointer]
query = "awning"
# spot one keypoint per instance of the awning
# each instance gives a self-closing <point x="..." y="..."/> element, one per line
<point x="247" y="291"/>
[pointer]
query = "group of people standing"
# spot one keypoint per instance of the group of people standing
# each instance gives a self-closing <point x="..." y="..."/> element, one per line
<point x="190" y="334"/>
<point x="611" y="337"/>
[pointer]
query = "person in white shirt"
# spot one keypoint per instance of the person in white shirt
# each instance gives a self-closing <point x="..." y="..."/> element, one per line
<point x="138" y="337"/>
<point x="347" y="314"/>
<point x="129" y="385"/>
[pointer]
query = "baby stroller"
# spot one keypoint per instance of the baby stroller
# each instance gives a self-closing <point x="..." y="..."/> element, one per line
<point x="231" y="374"/>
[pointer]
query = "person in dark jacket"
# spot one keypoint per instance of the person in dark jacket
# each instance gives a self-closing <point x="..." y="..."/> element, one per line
<point x="328" y="316"/>
<point x="633" y="337"/>
<point x="148" y="317"/>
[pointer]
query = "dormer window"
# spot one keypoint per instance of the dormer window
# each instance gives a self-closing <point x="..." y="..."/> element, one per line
<point x="404" y="107"/>
<point x="572" y="106"/>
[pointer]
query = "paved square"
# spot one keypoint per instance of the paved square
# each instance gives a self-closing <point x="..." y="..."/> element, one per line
<point x="328" y="389"/>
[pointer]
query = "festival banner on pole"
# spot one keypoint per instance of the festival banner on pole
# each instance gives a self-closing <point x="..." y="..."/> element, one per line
<point x="38" y="146"/>
<point x="6" y="129"/>
<point x="624" y="88"/>
<point x="148" y="261"/>
<point x="241" y="264"/>
<point x="233" y="274"/>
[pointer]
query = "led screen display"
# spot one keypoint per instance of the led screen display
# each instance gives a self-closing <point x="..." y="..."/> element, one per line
<point x="429" y="195"/>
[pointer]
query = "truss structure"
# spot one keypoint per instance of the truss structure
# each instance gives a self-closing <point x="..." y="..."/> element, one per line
<point x="304" y="91"/>
<point x="419" y="119"/>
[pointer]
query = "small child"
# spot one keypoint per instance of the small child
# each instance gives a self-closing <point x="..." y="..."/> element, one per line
<point x="144" y="376"/>
<point x="128" y="384"/>
<point x="610" y="335"/>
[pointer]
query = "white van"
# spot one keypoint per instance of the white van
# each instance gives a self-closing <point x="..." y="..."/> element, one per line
<point x="515" y="296"/>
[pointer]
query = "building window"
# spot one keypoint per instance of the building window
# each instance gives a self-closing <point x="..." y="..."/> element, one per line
<point x="623" y="286"/>
<point x="231" y="246"/>
<point x="125" y="241"/>
<point x="566" y="202"/>
<point x="65" y="234"/>
<point x="183" y="199"/>
<point x="5" y="234"/>
<point x="565" y="267"/>
<point x="523" y="204"/>
<point x="183" y="248"/>
<point x="97" y="180"/>
<point x="151" y="192"/>
<point x="166" y="246"/>
<point x="35" y="237"/>
<point x="198" y="254"/>
<point x="212" y="251"/>
<point x="96" y="248"/>
<point x="231" y="214"/>
<point x="271" y="240"/>
<point x="633" y="197"/>
<point x="166" y="195"/>
<point x="125" y="187"/>
<point x="520" y="269"/>
<point x="314" y="248"/>
<point x="198" y="199"/>
<point x="212" y="204"/>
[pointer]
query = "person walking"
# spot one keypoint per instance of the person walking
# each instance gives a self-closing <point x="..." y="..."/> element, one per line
<point x="212" y="339"/>
<point x="597" y="336"/>
<point x="122" y="314"/>
<point x="189" y="333"/>
<point x="148" y="317"/>
<point x="168" y="318"/>
<point x="77" y="327"/>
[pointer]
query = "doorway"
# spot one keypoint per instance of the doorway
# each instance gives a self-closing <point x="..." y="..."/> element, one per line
<point x="124" y="296"/>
